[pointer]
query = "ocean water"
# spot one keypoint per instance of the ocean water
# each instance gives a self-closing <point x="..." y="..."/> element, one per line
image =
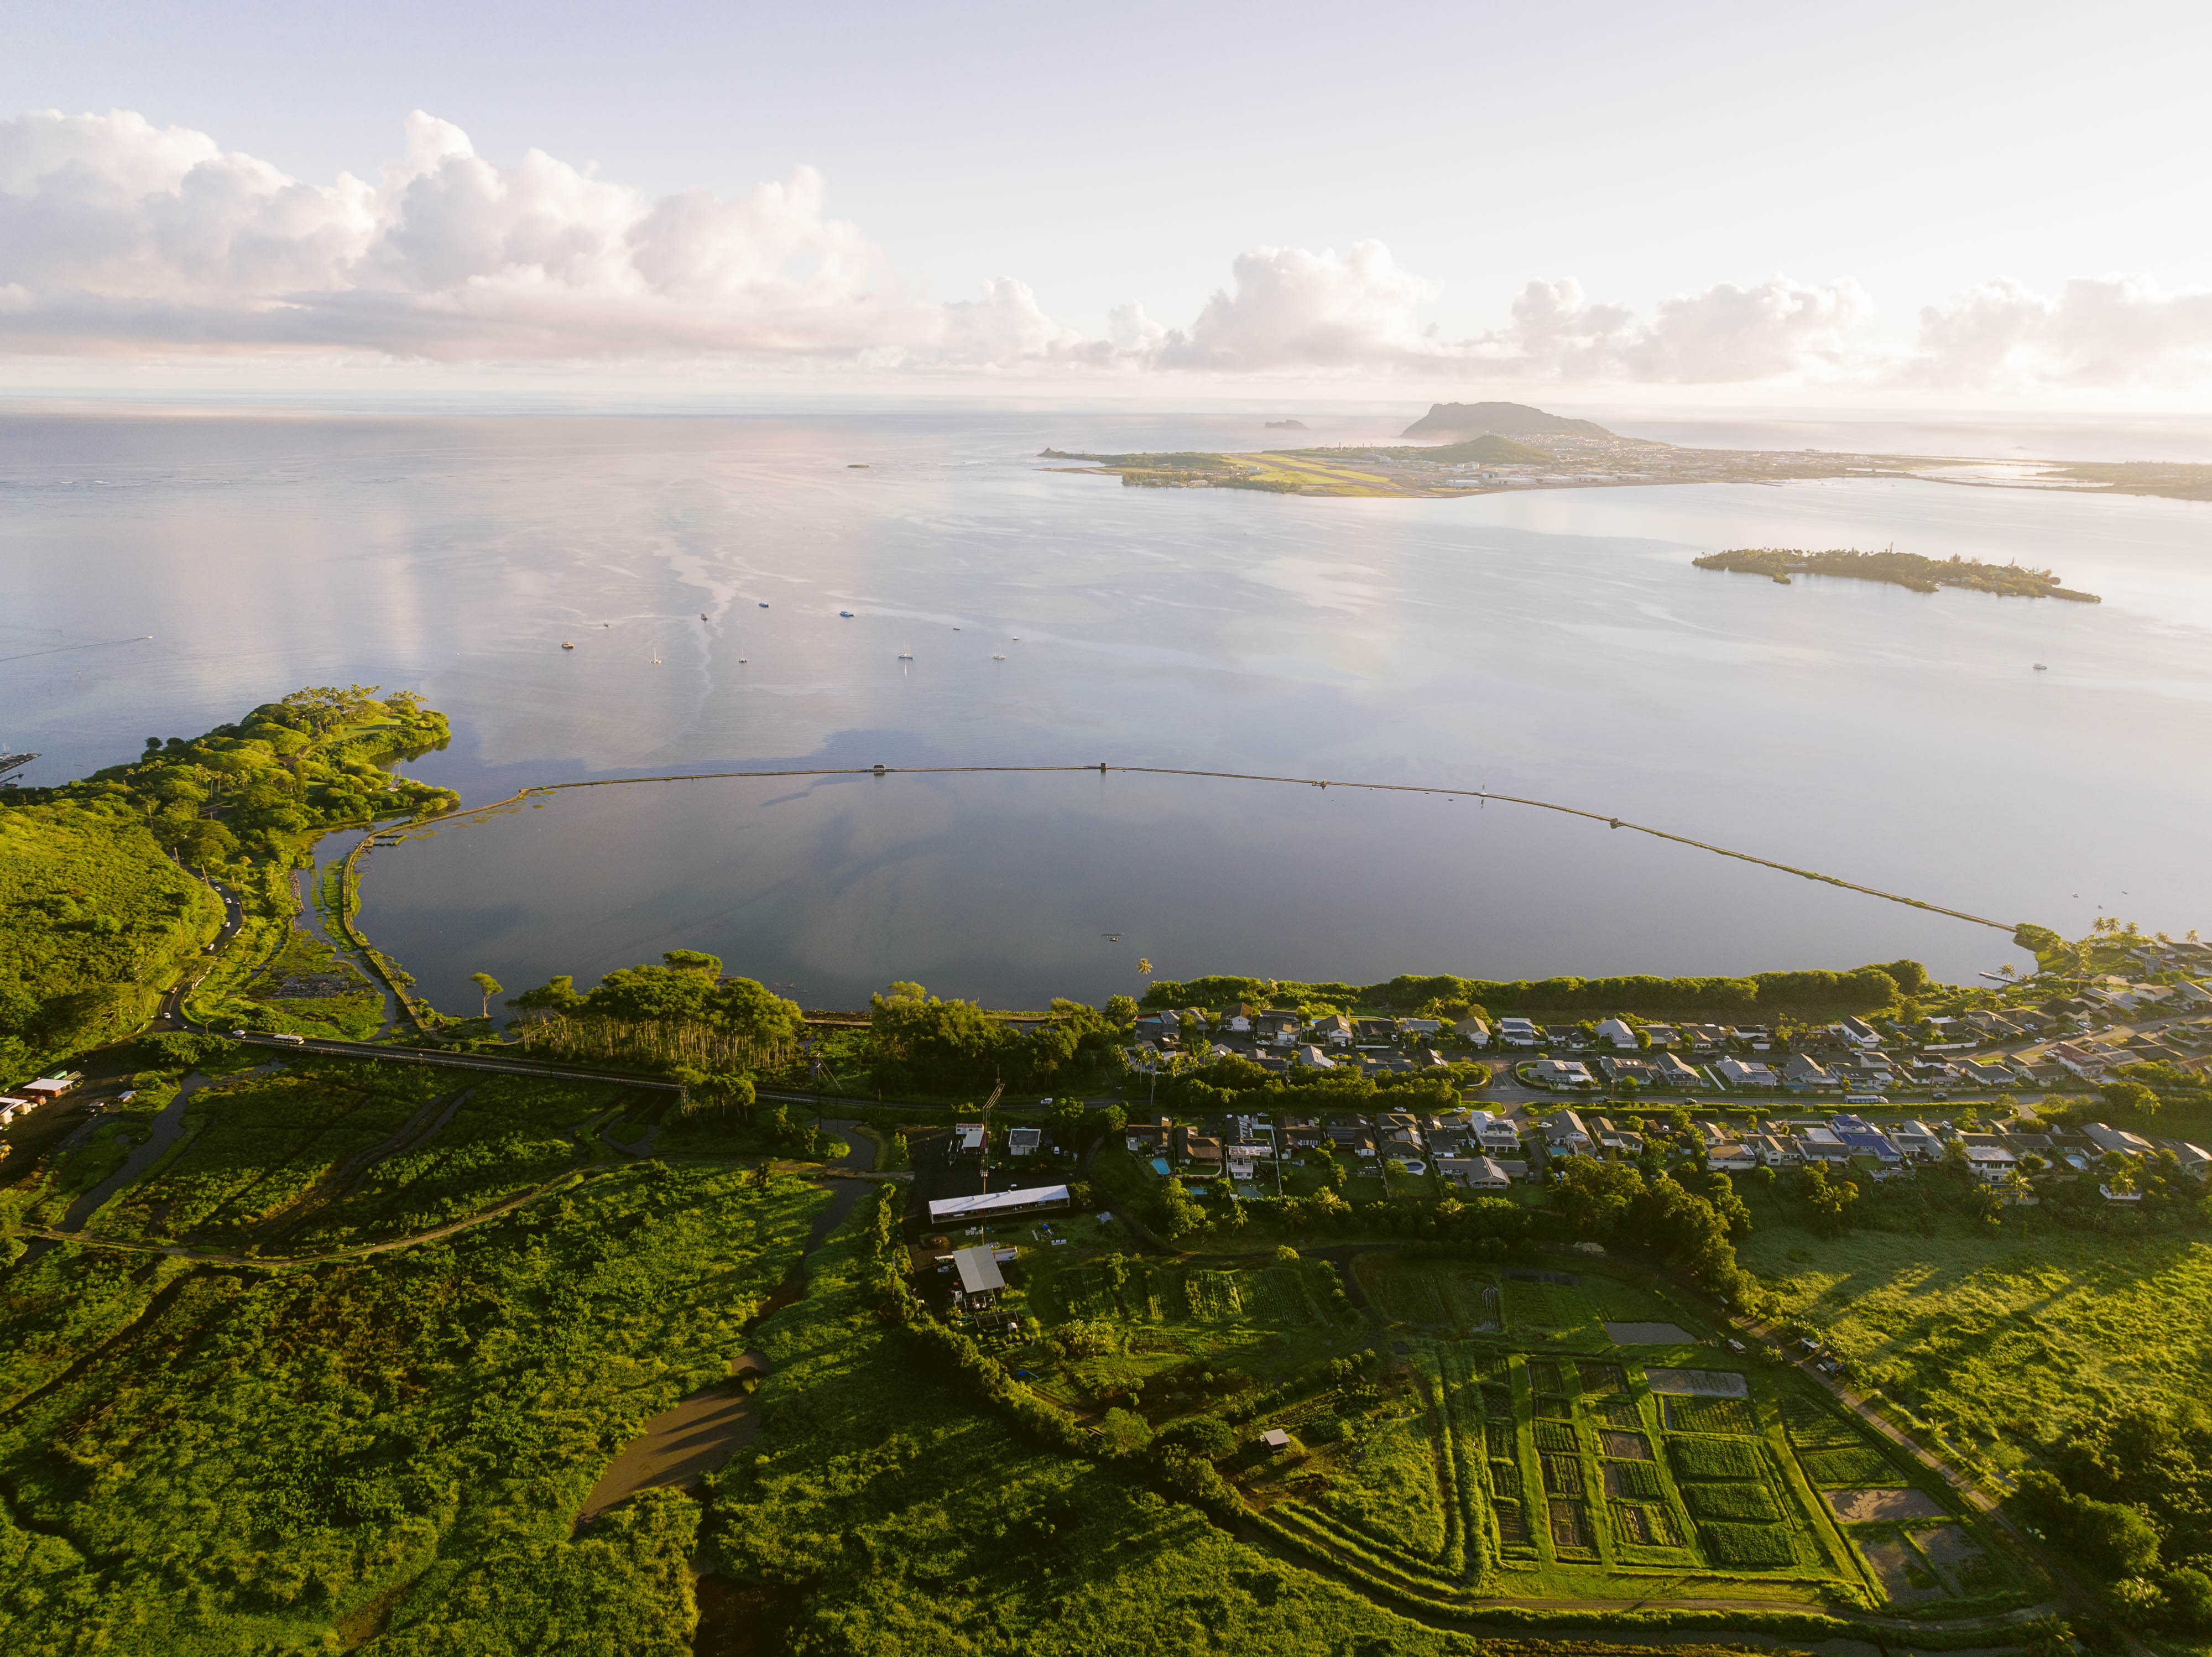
<point x="1559" y="646"/>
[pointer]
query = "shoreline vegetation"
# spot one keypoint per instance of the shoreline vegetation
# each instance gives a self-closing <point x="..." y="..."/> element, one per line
<point x="337" y="1363"/>
<point x="1493" y="446"/>
<point x="106" y="884"/>
<point x="1905" y="569"/>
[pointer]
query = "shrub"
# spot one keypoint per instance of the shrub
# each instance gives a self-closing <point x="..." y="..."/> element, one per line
<point x="1203" y="1435"/>
<point x="1716" y="1501"/>
<point x="1855" y="1468"/>
<point x="1746" y="1546"/>
<point x="1714" y="1459"/>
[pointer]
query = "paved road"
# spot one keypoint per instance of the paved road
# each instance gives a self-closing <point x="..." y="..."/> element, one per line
<point x="170" y="1014"/>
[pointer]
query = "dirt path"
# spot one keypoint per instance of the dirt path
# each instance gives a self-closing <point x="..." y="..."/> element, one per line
<point x="679" y="1447"/>
<point x="344" y="1179"/>
<point x="224" y="1257"/>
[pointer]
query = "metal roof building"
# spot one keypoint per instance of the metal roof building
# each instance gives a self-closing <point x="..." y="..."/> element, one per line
<point x="1034" y="1199"/>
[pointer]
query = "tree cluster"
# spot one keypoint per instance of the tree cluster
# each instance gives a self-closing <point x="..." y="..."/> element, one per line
<point x="1622" y="1205"/>
<point x="682" y="1013"/>
<point x="2130" y="1497"/>
<point x="920" y="1044"/>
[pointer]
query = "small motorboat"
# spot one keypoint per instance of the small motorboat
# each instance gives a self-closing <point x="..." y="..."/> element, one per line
<point x="2041" y="668"/>
<point x="999" y="657"/>
<point x="764" y="604"/>
<point x="703" y="615"/>
<point x="848" y="614"/>
<point x="566" y="645"/>
<point x="906" y="656"/>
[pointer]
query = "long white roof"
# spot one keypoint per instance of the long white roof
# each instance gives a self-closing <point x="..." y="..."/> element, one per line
<point x="1031" y="1197"/>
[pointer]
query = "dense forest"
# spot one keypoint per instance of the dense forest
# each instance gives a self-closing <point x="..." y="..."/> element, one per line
<point x="1818" y="993"/>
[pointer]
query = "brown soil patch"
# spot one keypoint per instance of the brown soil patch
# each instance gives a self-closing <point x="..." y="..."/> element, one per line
<point x="1624" y="1447"/>
<point x="1861" y="1507"/>
<point x="680" y="1445"/>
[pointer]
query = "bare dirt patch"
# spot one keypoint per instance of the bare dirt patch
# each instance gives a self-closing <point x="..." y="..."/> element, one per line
<point x="680" y="1445"/>
<point x="1862" y="1506"/>
<point x="1648" y="1335"/>
<point x="1904" y="1578"/>
<point x="1698" y="1383"/>
<point x="1624" y="1447"/>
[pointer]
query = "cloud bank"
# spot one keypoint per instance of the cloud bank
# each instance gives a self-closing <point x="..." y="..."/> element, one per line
<point x="117" y="236"/>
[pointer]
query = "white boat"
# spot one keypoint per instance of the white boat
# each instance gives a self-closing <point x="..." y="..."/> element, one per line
<point x="999" y="656"/>
<point x="2041" y="668"/>
<point x="566" y="645"/>
<point x="906" y="656"/>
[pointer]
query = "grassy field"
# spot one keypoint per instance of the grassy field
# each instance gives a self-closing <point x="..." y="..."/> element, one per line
<point x="879" y="1512"/>
<point x="218" y="1462"/>
<point x="1998" y="1342"/>
<point x="95" y="921"/>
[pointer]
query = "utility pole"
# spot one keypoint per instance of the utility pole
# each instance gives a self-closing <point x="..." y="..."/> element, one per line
<point x="987" y="1104"/>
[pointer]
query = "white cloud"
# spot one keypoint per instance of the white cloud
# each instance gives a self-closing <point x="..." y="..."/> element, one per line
<point x="2108" y="330"/>
<point x="1295" y="309"/>
<point x="116" y="235"/>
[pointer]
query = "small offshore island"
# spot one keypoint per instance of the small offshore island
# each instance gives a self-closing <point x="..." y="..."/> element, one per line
<point x="1509" y="446"/>
<point x="1906" y="570"/>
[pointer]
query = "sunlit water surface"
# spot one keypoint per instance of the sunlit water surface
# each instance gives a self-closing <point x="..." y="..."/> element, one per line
<point x="1557" y="645"/>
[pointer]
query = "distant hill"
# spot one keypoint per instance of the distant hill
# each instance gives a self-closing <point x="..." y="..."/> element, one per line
<point x="1286" y="425"/>
<point x="1489" y="450"/>
<point x="1510" y="419"/>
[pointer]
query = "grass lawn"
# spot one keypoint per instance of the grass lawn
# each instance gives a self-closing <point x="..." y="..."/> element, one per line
<point x="2000" y="1343"/>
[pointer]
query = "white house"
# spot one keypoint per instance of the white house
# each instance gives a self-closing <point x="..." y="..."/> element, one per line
<point x="1990" y="1162"/>
<point x="1024" y="1141"/>
<point x="1519" y="1032"/>
<point x="1565" y="1132"/>
<point x="1917" y="1141"/>
<point x="1820" y="1145"/>
<point x="1804" y="1071"/>
<point x="1560" y="1073"/>
<point x="1313" y="1056"/>
<point x="1743" y="1073"/>
<point x="1336" y="1029"/>
<point x="1495" y="1132"/>
<point x="1619" y="1034"/>
<point x="1736" y="1158"/>
<point x="1473" y="1032"/>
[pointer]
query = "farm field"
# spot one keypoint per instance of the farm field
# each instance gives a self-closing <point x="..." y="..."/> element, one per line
<point x="2000" y="1343"/>
<point x="1504" y="1450"/>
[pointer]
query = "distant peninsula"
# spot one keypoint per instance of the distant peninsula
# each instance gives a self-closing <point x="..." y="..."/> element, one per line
<point x="1493" y="446"/>
<point x="1507" y="419"/>
<point x="1905" y="569"/>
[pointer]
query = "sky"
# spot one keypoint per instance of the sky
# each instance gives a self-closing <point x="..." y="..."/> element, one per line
<point x="1987" y="205"/>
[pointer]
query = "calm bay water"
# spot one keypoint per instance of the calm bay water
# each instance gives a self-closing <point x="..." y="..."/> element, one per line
<point x="1557" y="645"/>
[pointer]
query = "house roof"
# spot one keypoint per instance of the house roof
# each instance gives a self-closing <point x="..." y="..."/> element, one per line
<point x="998" y="1201"/>
<point x="979" y="1271"/>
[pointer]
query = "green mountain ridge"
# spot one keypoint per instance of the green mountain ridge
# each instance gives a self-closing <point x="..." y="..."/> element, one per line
<point x="1506" y="420"/>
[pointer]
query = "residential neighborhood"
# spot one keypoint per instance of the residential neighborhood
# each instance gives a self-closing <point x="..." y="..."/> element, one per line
<point x="1774" y="1098"/>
